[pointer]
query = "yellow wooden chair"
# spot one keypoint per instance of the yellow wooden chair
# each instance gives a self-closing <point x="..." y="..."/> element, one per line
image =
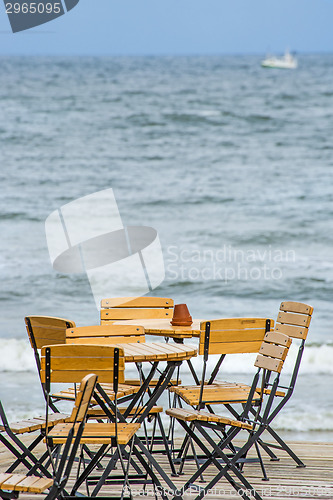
<point x="219" y="337"/>
<point x="11" y="437"/>
<point x="217" y="448"/>
<point x="11" y="485"/>
<point x="63" y="364"/>
<point x="293" y="321"/>
<point x="46" y="330"/>
<point x="108" y="334"/>
<point x="66" y="363"/>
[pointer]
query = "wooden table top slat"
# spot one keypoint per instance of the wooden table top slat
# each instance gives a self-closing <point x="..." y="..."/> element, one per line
<point x="156" y="351"/>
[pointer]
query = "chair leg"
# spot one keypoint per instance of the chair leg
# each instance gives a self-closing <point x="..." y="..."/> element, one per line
<point x="166" y="446"/>
<point x="151" y="463"/>
<point x="26" y="454"/>
<point x="149" y="471"/>
<point x="97" y="457"/>
<point x="229" y="465"/>
<point x="196" y="461"/>
<point x="284" y="446"/>
<point x="263" y="470"/>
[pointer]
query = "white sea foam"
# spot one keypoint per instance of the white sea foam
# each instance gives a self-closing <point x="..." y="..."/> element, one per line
<point x="303" y="421"/>
<point x="316" y="359"/>
<point x="16" y="355"/>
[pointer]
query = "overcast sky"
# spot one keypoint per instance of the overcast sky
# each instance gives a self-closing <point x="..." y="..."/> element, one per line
<point x="119" y="27"/>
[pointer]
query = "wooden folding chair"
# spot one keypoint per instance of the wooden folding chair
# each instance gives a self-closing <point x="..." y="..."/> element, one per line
<point x="42" y="330"/>
<point x="125" y="308"/>
<point x="131" y="308"/>
<point x="293" y="320"/>
<point x="11" y="485"/>
<point x="46" y="330"/>
<point x="116" y="437"/>
<point x="68" y="363"/>
<point x="198" y="424"/>
<point x="220" y="336"/>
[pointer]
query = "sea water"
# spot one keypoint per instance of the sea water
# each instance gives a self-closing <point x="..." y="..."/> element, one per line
<point x="232" y="164"/>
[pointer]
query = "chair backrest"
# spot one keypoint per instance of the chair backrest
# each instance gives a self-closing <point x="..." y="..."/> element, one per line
<point x="105" y="334"/>
<point x="230" y="335"/>
<point x="227" y="336"/>
<point x="83" y="398"/>
<point x="47" y="330"/>
<point x="273" y="351"/>
<point x="294" y="319"/>
<point x="292" y="322"/>
<point x="125" y="308"/>
<point x="70" y="363"/>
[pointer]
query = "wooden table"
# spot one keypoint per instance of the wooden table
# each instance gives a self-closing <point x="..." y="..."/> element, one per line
<point x="163" y="327"/>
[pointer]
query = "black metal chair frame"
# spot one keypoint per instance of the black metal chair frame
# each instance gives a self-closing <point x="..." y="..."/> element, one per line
<point x="24" y="454"/>
<point x="137" y="447"/>
<point x="183" y="451"/>
<point x="63" y="467"/>
<point x="224" y="461"/>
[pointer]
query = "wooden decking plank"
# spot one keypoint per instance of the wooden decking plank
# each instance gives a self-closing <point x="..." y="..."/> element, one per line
<point x="317" y="475"/>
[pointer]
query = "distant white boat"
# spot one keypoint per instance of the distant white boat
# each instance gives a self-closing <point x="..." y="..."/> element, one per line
<point x="285" y="62"/>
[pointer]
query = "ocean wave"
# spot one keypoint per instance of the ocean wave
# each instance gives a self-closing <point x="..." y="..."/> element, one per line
<point x="317" y="359"/>
<point x="16" y="355"/>
<point x="303" y="421"/>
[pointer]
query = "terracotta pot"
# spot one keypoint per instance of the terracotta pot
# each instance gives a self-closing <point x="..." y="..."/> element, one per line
<point x="181" y="316"/>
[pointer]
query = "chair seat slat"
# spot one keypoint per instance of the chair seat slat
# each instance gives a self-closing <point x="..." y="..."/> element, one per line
<point x="100" y="433"/>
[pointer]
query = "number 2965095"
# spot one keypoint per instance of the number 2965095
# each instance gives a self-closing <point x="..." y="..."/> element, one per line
<point x="33" y="8"/>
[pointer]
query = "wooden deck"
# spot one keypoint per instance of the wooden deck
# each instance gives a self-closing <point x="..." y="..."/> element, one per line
<point x="286" y="481"/>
